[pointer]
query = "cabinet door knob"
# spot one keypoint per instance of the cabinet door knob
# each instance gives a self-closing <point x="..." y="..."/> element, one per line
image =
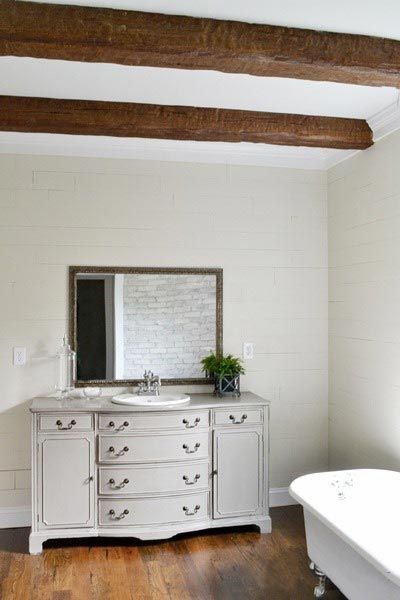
<point x="126" y="424"/>
<point x="111" y="424"/>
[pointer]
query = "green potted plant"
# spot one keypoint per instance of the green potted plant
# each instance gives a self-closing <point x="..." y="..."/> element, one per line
<point x="225" y="371"/>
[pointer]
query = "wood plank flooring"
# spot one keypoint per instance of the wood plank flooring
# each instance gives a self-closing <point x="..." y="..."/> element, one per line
<point x="229" y="564"/>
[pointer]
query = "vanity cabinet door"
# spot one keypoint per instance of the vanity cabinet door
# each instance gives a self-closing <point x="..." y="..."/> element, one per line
<point x="66" y="486"/>
<point x="238" y="472"/>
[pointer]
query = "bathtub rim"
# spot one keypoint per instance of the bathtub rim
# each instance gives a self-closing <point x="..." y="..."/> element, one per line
<point x="393" y="576"/>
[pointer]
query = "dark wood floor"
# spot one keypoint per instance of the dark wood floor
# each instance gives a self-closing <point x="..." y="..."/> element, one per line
<point x="218" y="565"/>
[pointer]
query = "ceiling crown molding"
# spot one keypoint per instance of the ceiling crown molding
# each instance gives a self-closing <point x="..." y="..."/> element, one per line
<point x="385" y="121"/>
<point x="263" y="155"/>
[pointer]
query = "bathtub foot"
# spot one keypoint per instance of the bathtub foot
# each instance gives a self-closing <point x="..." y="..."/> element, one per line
<point x="319" y="590"/>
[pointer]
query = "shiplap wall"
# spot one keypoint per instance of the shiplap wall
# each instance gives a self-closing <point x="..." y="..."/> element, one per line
<point x="265" y="226"/>
<point x="364" y="294"/>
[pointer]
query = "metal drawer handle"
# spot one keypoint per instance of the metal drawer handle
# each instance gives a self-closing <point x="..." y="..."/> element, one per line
<point x="186" y="448"/>
<point x="120" y="453"/>
<point x="195" y="480"/>
<point x="233" y="419"/>
<point x="120" y="516"/>
<point x="187" y="424"/>
<point x="69" y="426"/>
<point x="121" y="427"/>
<point x="119" y="485"/>
<point x="188" y="513"/>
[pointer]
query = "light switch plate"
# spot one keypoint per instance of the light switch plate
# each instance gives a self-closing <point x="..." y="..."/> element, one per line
<point x="19" y="356"/>
<point x="248" y="351"/>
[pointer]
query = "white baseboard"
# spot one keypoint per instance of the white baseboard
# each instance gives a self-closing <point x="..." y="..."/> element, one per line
<point x="20" y="516"/>
<point x="280" y="497"/>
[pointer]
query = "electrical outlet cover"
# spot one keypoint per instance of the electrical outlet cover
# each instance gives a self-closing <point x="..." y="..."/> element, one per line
<point x="19" y="356"/>
<point x="248" y="351"/>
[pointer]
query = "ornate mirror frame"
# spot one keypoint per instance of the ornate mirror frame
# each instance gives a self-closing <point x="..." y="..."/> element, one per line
<point x="75" y="270"/>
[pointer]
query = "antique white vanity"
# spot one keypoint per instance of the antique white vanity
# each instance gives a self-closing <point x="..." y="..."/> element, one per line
<point x="145" y="464"/>
<point x="102" y="469"/>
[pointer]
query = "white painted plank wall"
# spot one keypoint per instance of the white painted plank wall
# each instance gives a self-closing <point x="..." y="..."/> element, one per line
<point x="265" y="226"/>
<point x="364" y="294"/>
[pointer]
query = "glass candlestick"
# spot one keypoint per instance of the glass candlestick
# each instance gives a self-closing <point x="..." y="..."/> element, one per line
<point x="66" y="369"/>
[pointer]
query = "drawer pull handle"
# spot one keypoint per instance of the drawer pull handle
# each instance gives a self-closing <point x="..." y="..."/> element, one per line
<point x="186" y="448"/>
<point x="120" y="453"/>
<point x="121" y="427"/>
<point x="120" y="516"/>
<point x="119" y="485"/>
<point x="188" y="513"/>
<point x="233" y="419"/>
<point x="195" y="480"/>
<point x="69" y="426"/>
<point x="187" y="424"/>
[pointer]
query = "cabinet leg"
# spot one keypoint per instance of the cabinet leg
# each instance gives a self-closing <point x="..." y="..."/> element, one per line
<point x="265" y="525"/>
<point x="35" y="544"/>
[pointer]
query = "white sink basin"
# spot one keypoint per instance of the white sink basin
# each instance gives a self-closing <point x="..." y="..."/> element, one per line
<point x="164" y="400"/>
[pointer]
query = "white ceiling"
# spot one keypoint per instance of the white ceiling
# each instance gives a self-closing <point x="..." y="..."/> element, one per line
<point x="62" y="79"/>
<point x="93" y="81"/>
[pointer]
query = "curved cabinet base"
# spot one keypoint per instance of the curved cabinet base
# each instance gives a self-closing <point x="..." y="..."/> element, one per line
<point x="103" y="470"/>
<point x="36" y="539"/>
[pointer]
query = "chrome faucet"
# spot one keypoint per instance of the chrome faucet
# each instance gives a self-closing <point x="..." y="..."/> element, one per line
<point x="150" y="385"/>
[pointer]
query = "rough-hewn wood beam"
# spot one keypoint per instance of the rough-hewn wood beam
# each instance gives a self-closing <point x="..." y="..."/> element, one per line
<point x="122" y="119"/>
<point x="88" y="34"/>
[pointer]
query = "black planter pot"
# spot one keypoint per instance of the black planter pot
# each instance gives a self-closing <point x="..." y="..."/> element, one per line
<point x="226" y="386"/>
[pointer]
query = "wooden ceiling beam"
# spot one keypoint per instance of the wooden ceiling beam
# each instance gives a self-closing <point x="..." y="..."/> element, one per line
<point x="105" y="35"/>
<point x="122" y="119"/>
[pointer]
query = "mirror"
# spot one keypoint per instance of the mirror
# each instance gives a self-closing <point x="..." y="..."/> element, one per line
<point x="124" y="321"/>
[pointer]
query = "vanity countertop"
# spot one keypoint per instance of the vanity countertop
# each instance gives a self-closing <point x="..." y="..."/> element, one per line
<point x="104" y="404"/>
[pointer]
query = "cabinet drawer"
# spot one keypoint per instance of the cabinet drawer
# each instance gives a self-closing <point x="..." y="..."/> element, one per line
<point x="183" y="420"/>
<point x="238" y="416"/>
<point x="152" y="511"/>
<point x="153" y="479"/>
<point x="66" y="422"/>
<point x="153" y="448"/>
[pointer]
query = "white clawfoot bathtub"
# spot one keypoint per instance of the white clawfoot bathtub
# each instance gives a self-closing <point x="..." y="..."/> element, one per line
<point x="352" y="521"/>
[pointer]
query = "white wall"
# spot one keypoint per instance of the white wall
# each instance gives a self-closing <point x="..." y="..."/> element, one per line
<point x="364" y="294"/>
<point x="265" y="226"/>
